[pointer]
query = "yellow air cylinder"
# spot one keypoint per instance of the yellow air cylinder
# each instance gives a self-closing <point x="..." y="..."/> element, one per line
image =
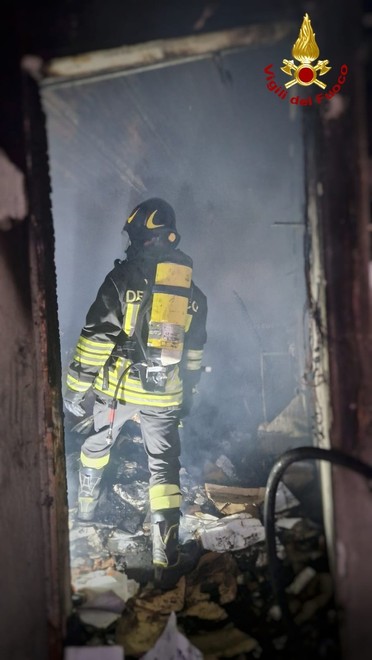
<point x="170" y="299"/>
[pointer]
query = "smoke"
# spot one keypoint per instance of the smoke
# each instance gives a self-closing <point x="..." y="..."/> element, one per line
<point x="228" y="157"/>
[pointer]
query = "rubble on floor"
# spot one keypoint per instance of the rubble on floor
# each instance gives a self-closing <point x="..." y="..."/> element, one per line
<point x="223" y="604"/>
<point x="172" y="644"/>
<point x="94" y="653"/>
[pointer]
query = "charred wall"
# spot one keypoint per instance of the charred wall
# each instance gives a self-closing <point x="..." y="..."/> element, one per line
<point x="338" y="196"/>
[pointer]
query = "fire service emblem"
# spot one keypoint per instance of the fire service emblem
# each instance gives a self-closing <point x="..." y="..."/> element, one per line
<point x="305" y="50"/>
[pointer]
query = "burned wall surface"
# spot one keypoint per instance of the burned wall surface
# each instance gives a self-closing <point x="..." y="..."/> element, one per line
<point x="336" y="147"/>
<point x="207" y="136"/>
<point x="22" y="547"/>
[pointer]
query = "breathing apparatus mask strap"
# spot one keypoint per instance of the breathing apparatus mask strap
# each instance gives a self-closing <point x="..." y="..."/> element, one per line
<point x="162" y="238"/>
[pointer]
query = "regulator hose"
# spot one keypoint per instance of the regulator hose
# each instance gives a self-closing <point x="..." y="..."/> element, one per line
<point x="114" y="402"/>
<point x="333" y="456"/>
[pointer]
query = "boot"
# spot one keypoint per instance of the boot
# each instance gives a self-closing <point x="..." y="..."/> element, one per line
<point x="164" y="528"/>
<point x="89" y="492"/>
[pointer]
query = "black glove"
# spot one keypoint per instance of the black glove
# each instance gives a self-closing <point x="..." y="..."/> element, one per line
<point x="186" y="401"/>
<point x="72" y="402"/>
<point x="190" y="380"/>
<point x="186" y="405"/>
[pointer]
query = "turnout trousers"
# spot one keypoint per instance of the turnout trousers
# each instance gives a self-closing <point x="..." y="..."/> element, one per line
<point x="161" y="441"/>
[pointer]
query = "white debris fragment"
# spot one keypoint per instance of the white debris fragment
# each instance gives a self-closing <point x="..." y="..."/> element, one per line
<point x="107" y="600"/>
<point x="284" y="499"/>
<point x="234" y="532"/>
<point x="226" y="466"/>
<point x="98" y="582"/>
<point x="262" y="559"/>
<point x="121" y="542"/>
<point x="191" y="525"/>
<point x="301" y="581"/>
<point x="135" y="494"/>
<point x="172" y="645"/>
<point x="105" y="595"/>
<point x="275" y="613"/>
<point x="97" y="618"/>
<point x="205" y="517"/>
<point x="200" y="499"/>
<point x="280" y="550"/>
<point x="81" y="532"/>
<point x="86" y="537"/>
<point x="287" y="523"/>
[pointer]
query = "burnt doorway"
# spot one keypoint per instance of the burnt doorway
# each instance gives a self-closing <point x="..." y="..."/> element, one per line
<point x="206" y="135"/>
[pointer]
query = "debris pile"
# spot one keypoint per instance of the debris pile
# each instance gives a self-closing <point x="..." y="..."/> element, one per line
<point x="222" y="606"/>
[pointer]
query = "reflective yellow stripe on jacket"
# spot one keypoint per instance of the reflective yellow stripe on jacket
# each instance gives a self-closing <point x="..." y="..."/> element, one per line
<point x="88" y="353"/>
<point x="193" y="359"/>
<point x="131" y="390"/>
<point x="130" y="318"/>
<point x="78" y="385"/>
<point x="94" y="353"/>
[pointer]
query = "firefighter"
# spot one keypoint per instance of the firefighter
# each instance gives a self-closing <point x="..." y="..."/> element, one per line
<point x="141" y="352"/>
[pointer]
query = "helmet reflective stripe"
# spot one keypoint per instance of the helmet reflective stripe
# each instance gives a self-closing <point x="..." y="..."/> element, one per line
<point x="131" y="217"/>
<point x="150" y="221"/>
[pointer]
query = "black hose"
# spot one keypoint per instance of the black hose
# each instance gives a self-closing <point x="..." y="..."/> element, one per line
<point x="293" y="455"/>
<point x="114" y="402"/>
